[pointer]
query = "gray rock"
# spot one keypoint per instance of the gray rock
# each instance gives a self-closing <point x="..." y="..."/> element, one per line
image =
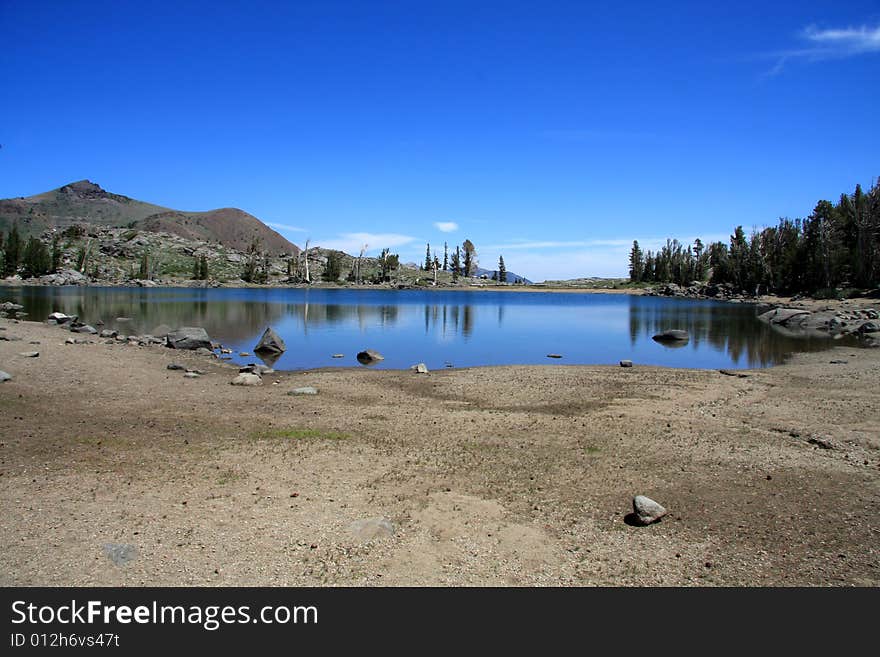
<point x="626" y="363"/>
<point x="204" y="351"/>
<point x="421" y="368"/>
<point x="243" y="354"/>
<point x="9" y="306"/>
<point x="554" y="355"/>
<point x="647" y="510"/>
<point x="175" y="366"/>
<point x="338" y="356"/>
<point x="5" y="376"/>
<point x="191" y="375"/>
<point x="245" y="379"/>
<point x="270" y="342"/>
<point x="870" y="327"/>
<point x="371" y="529"/>
<point x="672" y="335"/>
<point x="107" y="333"/>
<point x="307" y="390"/>
<point x="84" y="328"/>
<point x="188" y="337"/>
<point x="369" y="357"/>
<point x="120" y="553"/>
<point x="784" y="315"/>
<point x="30" y="354"/>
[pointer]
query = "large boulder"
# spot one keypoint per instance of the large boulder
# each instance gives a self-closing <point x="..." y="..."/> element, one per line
<point x="784" y="316"/>
<point x="188" y="337"/>
<point x="369" y="357"/>
<point x="271" y="342"/>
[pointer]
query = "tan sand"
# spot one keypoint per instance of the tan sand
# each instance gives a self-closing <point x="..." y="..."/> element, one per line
<point x="491" y="476"/>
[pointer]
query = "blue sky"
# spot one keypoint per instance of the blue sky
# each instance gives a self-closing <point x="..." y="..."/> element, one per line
<point x="553" y="133"/>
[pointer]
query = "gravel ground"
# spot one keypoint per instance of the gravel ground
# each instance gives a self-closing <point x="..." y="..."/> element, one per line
<point x="115" y="471"/>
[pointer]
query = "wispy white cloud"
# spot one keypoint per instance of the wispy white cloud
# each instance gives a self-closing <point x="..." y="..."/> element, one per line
<point x="353" y="242"/>
<point x="293" y="229"/>
<point x="446" y="226"/>
<point x="848" y="41"/>
<point x="825" y="44"/>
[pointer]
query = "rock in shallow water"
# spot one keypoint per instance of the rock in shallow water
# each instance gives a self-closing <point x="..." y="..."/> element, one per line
<point x="271" y="342"/>
<point x="626" y="363"/>
<point x="368" y="357"/>
<point x="647" y="510"/>
<point x="672" y="335"/>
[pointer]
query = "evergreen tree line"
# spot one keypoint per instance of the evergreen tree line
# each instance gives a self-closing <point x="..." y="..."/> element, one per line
<point x="462" y="263"/>
<point x="29" y="258"/>
<point x="836" y="246"/>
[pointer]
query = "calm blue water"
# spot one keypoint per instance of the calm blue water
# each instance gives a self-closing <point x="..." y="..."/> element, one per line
<point x="436" y="327"/>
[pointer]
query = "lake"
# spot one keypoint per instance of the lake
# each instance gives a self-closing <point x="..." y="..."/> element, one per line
<point x="441" y="328"/>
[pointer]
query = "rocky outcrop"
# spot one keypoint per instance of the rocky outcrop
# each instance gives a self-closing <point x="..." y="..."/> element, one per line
<point x="799" y="322"/>
<point x="64" y="277"/>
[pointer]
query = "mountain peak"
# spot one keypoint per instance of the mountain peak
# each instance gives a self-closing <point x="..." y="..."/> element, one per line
<point x="83" y="188"/>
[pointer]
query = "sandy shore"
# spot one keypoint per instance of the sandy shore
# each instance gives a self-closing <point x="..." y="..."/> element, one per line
<point x="490" y="476"/>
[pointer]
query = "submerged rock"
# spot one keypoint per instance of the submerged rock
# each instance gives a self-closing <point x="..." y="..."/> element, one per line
<point x="672" y="335"/>
<point x="626" y="363"/>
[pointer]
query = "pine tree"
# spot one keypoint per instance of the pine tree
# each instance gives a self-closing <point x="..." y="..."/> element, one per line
<point x="502" y="270"/>
<point x="12" y="252"/>
<point x="428" y="259"/>
<point x="35" y="260"/>
<point x="204" y="268"/>
<point x="636" y="263"/>
<point x="445" y="257"/>
<point x="470" y="258"/>
<point x="456" y="263"/>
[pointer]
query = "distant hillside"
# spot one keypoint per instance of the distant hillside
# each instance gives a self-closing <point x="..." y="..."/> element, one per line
<point x="87" y="202"/>
<point x="511" y="277"/>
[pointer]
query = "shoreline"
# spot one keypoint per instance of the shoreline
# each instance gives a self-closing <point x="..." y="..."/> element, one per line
<point x="497" y="475"/>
